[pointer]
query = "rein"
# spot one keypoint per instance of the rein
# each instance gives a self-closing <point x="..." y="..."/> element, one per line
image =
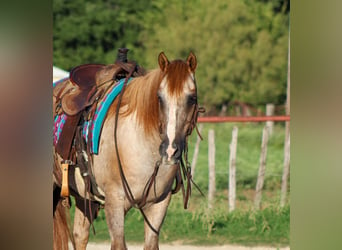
<point x="125" y="184"/>
<point x="127" y="189"/>
<point x="185" y="169"/>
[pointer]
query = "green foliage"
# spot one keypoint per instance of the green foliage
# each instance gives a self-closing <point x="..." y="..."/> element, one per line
<point x="241" y="46"/>
<point x="92" y="31"/>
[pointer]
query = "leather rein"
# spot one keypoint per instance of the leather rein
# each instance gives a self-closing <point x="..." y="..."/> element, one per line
<point x="184" y="170"/>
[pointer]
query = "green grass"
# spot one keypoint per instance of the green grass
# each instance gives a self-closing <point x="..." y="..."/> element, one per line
<point x="198" y="225"/>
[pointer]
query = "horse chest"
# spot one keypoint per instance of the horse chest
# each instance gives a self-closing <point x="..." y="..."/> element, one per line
<point x="161" y="182"/>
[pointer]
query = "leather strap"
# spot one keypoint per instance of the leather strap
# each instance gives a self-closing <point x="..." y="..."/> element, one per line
<point x="64" y="143"/>
<point x="125" y="184"/>
<point x="65" y="181"/>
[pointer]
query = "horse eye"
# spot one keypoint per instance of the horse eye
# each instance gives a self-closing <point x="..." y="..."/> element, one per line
<point x="192" y="99"/>
<point x="160" y="99"/>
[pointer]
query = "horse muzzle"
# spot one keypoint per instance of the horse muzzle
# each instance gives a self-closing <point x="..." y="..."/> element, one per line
<point x="170" y="154"/>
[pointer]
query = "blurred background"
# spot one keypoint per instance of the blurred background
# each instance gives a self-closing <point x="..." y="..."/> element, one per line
<point x="241" y="46"/>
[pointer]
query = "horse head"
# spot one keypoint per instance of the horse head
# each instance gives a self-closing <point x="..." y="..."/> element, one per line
<point x="177" y="98"/>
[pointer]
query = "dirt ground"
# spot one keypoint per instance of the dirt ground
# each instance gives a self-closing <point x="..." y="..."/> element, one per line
<point x="101" y="246"/>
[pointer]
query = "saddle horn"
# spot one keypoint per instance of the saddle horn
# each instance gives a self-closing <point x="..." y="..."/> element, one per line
<point x="122" y="55"/>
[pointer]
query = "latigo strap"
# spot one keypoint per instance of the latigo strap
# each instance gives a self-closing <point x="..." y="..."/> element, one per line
<point x="65" y="181"/>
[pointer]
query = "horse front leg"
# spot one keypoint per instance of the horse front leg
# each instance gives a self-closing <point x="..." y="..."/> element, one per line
<point x="155" y="215"/>
<point x="81" y="230"/>
<point x="115" y="216"/>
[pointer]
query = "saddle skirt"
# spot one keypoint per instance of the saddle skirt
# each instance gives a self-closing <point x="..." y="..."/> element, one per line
<point x="91" y="129"/>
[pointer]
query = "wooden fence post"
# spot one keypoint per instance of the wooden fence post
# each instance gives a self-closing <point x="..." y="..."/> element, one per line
<point x="196" y="150"/>
<point x="232" y="170"/>
<point x="211" y="162"/>
<point x="270" y="112"/>
<point x="285" y="172"/>
<point x="262" y="168"/>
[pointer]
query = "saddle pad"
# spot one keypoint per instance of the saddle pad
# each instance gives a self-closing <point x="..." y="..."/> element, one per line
<point x="92" y="128"/>
<point x="95" y="126"/>
<point x="58" y="126"/>
<point x="59" y="120"/>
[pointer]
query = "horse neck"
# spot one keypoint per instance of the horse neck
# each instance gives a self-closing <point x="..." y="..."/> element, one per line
<point x="140" y="99"/>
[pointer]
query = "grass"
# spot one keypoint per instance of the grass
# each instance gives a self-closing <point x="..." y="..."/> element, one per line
<point x="198" y="225"/>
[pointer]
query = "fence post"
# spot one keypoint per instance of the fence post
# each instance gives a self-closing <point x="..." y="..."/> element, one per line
<point x="211" y="162"/>
<point x="196" y="150"/>
<point x="270" y="112"/>
<point x="232" y="170"/>
<point x="262" y="167"/>
<point x="287" y="134"/>
<point x="285" y="172"/>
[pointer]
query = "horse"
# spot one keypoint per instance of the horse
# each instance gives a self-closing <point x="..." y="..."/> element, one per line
<point x="143" y="140"/>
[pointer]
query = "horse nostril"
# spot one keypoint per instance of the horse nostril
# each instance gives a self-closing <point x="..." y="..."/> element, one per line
<point x="177" y="152"/>
<point x="163" y="147"/>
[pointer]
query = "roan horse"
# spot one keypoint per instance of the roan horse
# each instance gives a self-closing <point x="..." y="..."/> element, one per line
<point x="139" y="159"/>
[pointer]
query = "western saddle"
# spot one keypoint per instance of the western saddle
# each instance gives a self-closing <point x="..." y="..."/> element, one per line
<point x="83" y="87"/>
<point x="80" y="93"/>
<point x="77" y="98"/>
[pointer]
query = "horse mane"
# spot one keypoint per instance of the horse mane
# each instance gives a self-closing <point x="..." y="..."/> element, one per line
<point x="140" y="96"/>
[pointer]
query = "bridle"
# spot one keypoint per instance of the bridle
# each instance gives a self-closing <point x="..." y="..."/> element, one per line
<point x="183" y="172"/>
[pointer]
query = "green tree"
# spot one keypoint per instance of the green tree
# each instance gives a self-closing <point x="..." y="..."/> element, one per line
<point x="92" y="31"/>
<point x="241" y="48"/>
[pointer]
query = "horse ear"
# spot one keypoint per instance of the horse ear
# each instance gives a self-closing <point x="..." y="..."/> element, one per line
<point x="163" y="61"/>
<point x="192" y="61"/>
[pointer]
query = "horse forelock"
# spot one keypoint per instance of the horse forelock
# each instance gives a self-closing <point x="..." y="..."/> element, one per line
<point x="177" y="73"/>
